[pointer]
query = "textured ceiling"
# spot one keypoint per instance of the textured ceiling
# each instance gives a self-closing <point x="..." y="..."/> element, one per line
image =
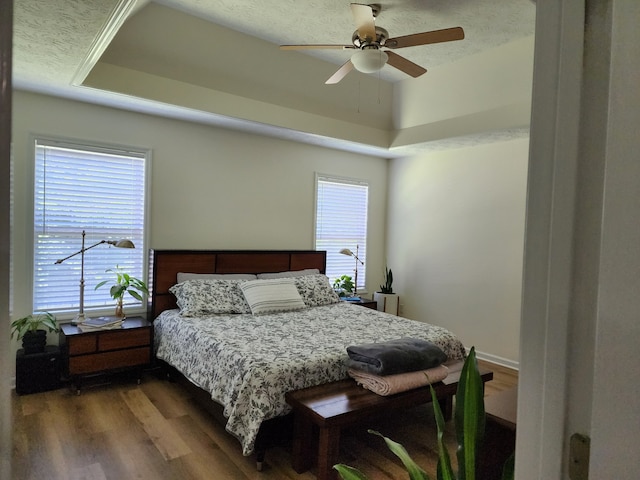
<point x="57" y="42"/>
<point x="487" y="23"/>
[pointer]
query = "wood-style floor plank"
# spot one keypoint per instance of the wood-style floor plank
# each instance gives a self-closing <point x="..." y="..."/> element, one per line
<point x="157" y="431"/>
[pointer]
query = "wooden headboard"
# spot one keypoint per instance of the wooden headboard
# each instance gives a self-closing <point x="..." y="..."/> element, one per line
<point x="164" y="266"/>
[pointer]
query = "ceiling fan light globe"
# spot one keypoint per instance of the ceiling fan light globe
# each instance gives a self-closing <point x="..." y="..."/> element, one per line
<point x="369" y="60"/>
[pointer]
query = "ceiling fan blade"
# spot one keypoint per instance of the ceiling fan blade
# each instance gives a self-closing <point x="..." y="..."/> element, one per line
<point x="436" y="36"/>
<point x="364" y="19"/>
<point x="404" y="65"/>
<point x="341" y="73"/>
<point x="309" y="47"/>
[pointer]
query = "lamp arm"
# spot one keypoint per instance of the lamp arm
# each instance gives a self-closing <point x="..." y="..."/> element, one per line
<point x="82" y="250"/>
<point x="356" y="257"/>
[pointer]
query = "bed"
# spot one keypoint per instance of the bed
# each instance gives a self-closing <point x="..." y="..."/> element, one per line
<point x="247" y="360"/>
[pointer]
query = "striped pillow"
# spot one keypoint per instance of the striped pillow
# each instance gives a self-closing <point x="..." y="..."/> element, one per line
<point x="268" y="296"/>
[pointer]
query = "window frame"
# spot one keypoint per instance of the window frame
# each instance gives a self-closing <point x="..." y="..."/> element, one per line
<point x="144" y="153"/>
<point x="362" y="268"/>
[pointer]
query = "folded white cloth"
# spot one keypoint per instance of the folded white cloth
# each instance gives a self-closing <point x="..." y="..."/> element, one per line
<point x="400" y="382"/>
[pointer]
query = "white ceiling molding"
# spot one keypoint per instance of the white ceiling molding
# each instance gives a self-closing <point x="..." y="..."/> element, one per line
<point x="123" y="9"/>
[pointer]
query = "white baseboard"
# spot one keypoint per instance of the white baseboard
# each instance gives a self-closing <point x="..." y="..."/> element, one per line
<point x="505" y="362"/>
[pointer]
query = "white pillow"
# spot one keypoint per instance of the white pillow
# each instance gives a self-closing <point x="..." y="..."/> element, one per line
<point x="289" y="274"/>
<point x="274" y="295"/>
<point x="183" y="277"/>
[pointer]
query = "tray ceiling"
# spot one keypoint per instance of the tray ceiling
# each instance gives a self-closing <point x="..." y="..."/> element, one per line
<point x="56" y="44"/>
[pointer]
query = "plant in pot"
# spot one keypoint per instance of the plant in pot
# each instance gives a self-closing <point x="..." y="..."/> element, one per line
<point x="32" y="330"/>
<point x="124" y="283"/>
<point x="343" y="285"/>
<point x="386" y="299"/>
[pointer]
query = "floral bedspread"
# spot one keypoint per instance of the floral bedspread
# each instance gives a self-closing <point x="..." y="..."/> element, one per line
<point x="248" y="362"/>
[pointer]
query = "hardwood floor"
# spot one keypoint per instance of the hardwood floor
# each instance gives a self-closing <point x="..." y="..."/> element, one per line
<point x="157" y="431"/>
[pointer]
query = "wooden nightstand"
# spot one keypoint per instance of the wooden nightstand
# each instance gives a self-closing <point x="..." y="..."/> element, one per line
<point x="365" y="302"/>
<point x="105" y="351"/>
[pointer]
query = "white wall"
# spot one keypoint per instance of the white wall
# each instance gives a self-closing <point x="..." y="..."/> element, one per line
<point x="455" y="245"/>
<point x="210" y="188"/>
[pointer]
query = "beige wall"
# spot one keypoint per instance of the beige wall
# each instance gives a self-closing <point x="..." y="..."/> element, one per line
<point x="455" y="244"/>
<point x="455" y="217"/>
<point x="209" y="187"/>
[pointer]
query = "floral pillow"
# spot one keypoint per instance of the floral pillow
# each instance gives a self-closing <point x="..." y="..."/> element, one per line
<point x="204" y="297"/>
<point x="316" y="290"/>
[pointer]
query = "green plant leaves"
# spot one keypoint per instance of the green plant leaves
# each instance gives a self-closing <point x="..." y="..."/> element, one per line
<point x="469" y="417"/>
<point x="32" y="323"/>
<point x="444" y="470"/>
<point x="387" y="286"/>
<point x="508" y="471"/>
<point x="415" y="472"/>
<point x="349" y="473"/>
<point x="124" y="283"/>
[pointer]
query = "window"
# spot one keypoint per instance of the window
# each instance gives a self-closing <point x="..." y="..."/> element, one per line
<point x="100" y="190"/>
<point x="341" y="222"/>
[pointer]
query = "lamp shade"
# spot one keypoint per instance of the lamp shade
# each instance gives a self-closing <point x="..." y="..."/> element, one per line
<point x="369" y="60"/>
<point x="125" y="243"/>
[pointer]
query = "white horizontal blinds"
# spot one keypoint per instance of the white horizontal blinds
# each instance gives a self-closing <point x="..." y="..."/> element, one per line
<point x="101" y="191"/>
<point x="341" y="222"/>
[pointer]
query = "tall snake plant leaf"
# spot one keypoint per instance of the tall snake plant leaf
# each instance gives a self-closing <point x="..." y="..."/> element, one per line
<point x="444" y="470"/>
<point x="469" y="417"/>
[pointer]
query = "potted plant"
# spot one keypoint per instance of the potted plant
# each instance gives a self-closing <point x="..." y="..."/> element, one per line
<point x="387" y="300"/>
<point x="125" y="283"/>
<point x="343" y="285"/>
<point x="32" y="330"/>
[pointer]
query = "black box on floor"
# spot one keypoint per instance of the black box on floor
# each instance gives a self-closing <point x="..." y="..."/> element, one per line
<point x="38" y="372"/>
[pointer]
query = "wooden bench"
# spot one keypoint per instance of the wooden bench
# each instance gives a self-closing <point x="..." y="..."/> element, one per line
<point x="332" y="406"/>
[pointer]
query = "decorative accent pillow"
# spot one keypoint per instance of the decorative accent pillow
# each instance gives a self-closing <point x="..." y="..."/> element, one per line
<point x="274" y="295"/>
<point x="183" y="277"/>
<point x="204" y="297"/>
<point x="289" y="274"/>
<point x="316" y="290"/>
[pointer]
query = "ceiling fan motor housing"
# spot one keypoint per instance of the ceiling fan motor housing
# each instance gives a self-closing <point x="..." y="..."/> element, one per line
<point x="381" y="37"/>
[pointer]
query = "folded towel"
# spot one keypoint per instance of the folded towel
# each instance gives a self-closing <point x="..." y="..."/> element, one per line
<point x="395" y="356"/>
<point x="401" y="382"/>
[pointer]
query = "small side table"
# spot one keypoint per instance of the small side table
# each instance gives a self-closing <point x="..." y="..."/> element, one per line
<point x="364" y="302"/>
<point x="100" y="352"/>
<point x="38" y="372"/>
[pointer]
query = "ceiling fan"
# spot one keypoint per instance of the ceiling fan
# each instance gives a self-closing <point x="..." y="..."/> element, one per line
<point x="373" y="43"/>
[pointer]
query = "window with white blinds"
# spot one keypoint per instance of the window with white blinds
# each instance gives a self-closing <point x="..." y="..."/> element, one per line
<point x="96" y="189"/>
<point x="341" y="222"/>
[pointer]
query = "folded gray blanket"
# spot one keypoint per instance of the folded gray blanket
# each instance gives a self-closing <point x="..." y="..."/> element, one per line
<point x="395" y="356"/>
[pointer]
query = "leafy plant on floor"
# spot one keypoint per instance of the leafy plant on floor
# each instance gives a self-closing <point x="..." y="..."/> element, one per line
<point x="469" y="419"/>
